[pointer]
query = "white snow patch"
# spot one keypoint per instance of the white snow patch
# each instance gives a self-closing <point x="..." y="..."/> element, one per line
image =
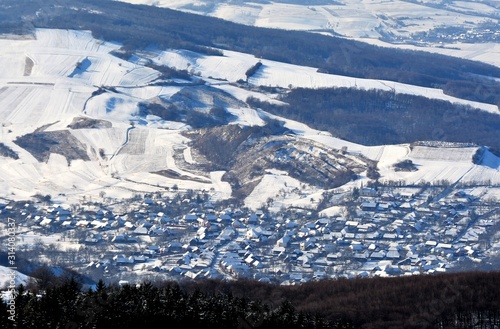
<point x="246" y="117"/>
<point x="7" y="274"/>
<point x="278" y="190"/>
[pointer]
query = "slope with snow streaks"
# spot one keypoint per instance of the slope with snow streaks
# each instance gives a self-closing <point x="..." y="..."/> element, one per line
<point x="47" y="99"/>
<point x="63" y="53"/>
<point x="133" y="153"/>
<point x="108" y="140"/>
<point x="452" y="154"/>
<point x="5" y="275"/>
<point x="483" y="175"/>
<point x="152" y="151"/>
<point x="233" y="66"/>
<point x="430" y="171"/>
<point x="67" y="69"/>
<point x="73" y="40"/>
<point x="12" y="59"/>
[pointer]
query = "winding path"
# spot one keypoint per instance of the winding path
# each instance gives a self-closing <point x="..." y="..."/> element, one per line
<point x="127" y="138"/>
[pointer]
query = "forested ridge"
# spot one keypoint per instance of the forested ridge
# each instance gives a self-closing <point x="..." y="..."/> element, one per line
<point x="452" y="300"/>
<point x="376" y="117"/>
<point x="138" y="26"/>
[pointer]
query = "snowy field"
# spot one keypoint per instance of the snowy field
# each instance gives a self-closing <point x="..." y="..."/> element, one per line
<point x="435" y="164"/>
<point x="232" y="67"/>
<point x="48" y="81"/>
<point x="483" y="52"/>
<point x="5" y="277"/>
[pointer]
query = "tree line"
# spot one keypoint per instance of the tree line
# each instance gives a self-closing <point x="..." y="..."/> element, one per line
<point x="7" y="152"/>
<point x="451" y="300"/>
<point x="147" y="305"/>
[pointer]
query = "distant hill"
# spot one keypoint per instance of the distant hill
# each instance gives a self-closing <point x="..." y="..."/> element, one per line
<point x="5" y="275"/>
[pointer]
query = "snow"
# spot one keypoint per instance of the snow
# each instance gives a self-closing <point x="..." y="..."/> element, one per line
<point x="247" y="117"/>
<point x="484" y="52"/>
<point x="49" y="97"/>
<point x="48" y="81"/>
<point x="232" y="67"/>
<point x="334" y="211"/>
<point x="287" y="75"/>
<point x="281" y="190"/>
<point x="354" y="18"/>
<point x="5" y="277"/>
<point x="223" y="189"/>
<point x="446" y="163"/>
<point x="243" y="94"/>
<point x="364" y="20"/>
<point x="188" y="156"/>
<point x="288" y="17"/>
<point x="150" y="92"/>
<point x="490" y="160"/>
<point x="115" y="107"/>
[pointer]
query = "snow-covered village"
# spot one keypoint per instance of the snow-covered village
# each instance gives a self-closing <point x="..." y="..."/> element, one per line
<point x="366" y="232"/>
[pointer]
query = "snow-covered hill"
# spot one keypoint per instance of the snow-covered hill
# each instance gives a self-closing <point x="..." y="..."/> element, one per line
<point x="6" y="274"/>
<point x="398" y="22"/>
<point x="77" y="107"/>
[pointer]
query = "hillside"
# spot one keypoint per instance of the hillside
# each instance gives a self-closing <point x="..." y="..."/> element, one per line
<point x="140" y="28"/>
<point x="125" y="125"/>
<point x="465" y="29"/>
<point x="90" y="128"/>
<point x="5" y="274"/>
<point x="391" y="20"/>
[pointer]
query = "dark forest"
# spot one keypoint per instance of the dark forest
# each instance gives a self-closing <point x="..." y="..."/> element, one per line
<point x="453" y="300"/>
<point x="376" y="117"/>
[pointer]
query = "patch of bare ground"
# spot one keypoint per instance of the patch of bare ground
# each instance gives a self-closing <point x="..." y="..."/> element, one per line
<point x="248" y="153"/>
<point x="89" y="123"/>
<point x="42" y="144"/>
<point x="169" y="173"/>
<point x="28" y="66"/>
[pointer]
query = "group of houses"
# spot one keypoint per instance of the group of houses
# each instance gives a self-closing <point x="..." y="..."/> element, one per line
<point x="385" y="234"/>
